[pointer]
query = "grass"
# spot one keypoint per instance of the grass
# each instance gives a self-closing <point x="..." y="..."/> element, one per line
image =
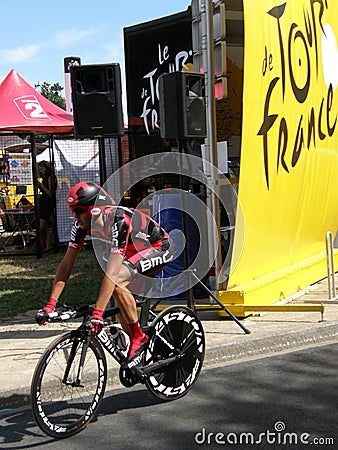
<point x="25" y="282"/>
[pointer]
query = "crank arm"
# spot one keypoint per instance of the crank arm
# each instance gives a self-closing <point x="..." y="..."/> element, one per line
<point x="155" y="367"/>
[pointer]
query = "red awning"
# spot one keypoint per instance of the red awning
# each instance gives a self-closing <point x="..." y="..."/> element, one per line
<point x="22" y="108"/>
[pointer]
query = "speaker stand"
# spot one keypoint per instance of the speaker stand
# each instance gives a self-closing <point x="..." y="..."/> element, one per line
<point x="190" y="292"/>
<point x="102" y="160"/>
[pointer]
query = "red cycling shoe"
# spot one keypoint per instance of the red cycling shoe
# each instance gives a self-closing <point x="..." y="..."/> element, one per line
<point x="135" y="354"/>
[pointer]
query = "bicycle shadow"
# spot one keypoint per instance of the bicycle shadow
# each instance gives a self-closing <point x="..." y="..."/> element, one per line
<point x="136" y="397"/>
<point x="30" y="334"/>
<point x="18" y="429"/>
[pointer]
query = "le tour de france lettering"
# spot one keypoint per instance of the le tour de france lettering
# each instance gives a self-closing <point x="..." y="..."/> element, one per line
<point x="317" y="122"/>
<point x="166" y="63"/>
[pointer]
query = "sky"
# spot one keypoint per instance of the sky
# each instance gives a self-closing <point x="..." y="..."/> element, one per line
<point x="36" y="35"/>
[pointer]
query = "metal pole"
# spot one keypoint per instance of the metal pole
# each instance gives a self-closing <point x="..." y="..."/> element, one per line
<point x="232" y="316"/>
<point x="36" y="196"/>
<point x="211" y="123"/>
<point x="102" y="160"/>
<point x="189" y="290"/>
<point x="330" y="266"/>
<point x="54" y="187"/>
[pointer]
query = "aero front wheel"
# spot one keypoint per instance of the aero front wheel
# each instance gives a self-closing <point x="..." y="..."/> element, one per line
<point x="68" y="385"/>
<point x="178" y="337"/>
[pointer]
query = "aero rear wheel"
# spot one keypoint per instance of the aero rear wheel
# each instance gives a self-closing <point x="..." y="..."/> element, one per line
<point x="178" y="332"/>
<point x="62" y="405"/>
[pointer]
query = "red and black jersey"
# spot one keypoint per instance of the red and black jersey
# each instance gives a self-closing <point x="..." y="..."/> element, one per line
<point x="77" y="236"/>
<point x="128" y="230"/>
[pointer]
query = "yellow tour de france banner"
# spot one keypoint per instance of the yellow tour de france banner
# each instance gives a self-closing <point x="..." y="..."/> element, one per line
<point x="288" y="187"/>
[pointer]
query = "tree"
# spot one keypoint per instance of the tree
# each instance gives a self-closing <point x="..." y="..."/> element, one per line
<point x="52" y="93"/>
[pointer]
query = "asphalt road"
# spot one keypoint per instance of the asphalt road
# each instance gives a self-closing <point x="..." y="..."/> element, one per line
<point x="288" y="401"/>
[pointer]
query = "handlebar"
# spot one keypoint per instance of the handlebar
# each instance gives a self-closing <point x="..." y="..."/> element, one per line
<point x="69" y="312"/>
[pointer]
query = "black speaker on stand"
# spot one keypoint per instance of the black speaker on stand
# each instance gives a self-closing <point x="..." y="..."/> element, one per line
<point x="182" y="105"/>
<point x="97" y="100"/>
<point x="183" y="117"/>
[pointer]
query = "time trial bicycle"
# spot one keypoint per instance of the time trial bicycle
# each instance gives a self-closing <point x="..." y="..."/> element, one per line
<point x="70" y="378"/>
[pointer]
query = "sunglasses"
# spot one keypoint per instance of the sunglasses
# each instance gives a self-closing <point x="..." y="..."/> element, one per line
<point x="77" y="210"/>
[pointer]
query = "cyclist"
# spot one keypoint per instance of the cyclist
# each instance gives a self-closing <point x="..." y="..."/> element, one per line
<point x="138" y="246"/>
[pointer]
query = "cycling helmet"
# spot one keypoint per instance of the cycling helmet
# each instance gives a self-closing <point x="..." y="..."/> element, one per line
<point x="89" y="195"/>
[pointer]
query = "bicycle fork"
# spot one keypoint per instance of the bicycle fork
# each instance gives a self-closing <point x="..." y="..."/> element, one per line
<point x="70" y="361"/>
<point x="104" y="339"/>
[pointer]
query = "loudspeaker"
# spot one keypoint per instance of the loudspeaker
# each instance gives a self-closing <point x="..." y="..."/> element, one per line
<point x="182" y="105"/>
<point x="97" y="100"/>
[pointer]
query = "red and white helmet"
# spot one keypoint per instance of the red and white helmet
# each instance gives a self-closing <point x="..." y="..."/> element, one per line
<point x="89" y="196"/>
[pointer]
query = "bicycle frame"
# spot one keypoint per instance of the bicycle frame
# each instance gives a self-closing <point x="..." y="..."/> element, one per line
<point x="111" y="348"/>
<point x="83" y="336"/>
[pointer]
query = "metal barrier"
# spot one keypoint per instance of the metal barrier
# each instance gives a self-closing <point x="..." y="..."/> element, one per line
<point x="331" y="276"/>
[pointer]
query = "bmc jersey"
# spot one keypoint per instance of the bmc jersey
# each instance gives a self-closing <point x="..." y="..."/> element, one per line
<point x="132" y="234"/>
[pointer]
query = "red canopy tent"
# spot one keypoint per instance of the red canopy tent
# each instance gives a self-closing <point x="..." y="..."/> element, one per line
<point x="22" y="108"/>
